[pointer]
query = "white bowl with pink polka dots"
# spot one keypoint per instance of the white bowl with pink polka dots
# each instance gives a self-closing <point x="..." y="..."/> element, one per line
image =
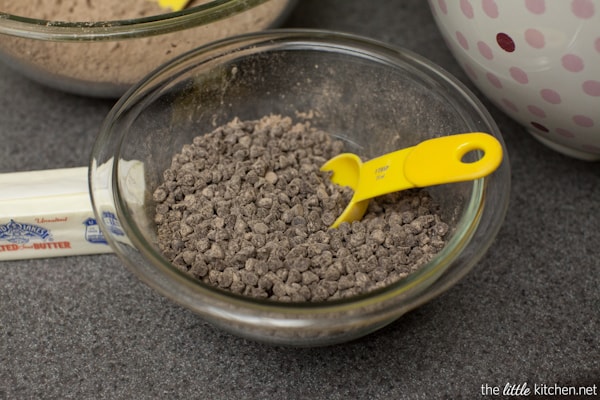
<point x="538" y="60"/>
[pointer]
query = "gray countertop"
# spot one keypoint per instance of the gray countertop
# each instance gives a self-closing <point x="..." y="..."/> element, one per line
<point x="85" y="328"/>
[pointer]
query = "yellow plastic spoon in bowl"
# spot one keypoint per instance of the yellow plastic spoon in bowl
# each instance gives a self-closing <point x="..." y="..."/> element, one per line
<point x="174" y="5"/>
<point x="431" y="162"/>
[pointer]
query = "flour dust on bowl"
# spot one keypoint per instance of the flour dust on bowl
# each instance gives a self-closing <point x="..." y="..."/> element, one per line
<point x="231" y="135"/>
<point x="102" y="47"/>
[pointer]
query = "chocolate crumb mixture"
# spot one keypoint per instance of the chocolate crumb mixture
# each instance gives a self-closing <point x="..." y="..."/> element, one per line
<point x="121" y="62"/>
<point x="245" y="208"/>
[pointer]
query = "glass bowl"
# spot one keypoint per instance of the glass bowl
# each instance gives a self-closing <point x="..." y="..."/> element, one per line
<point x="358" y="90"/>
<point x="104" y="58"/>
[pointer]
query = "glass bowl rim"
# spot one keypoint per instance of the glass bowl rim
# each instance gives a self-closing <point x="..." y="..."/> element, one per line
<point x="32" y="28"/>
<point x="429" y="272"/>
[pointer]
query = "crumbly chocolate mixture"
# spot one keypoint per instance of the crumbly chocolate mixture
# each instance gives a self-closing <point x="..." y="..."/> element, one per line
<point x="86" y="10"/>
<point x="117" y="62"/>
<point x="245" y="208"/>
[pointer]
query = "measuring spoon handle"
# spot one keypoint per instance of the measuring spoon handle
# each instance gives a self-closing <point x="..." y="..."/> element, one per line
<point x="442" y="160"/>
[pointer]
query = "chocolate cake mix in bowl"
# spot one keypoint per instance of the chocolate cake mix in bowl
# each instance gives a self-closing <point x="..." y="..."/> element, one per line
<point x="101" y="47"/>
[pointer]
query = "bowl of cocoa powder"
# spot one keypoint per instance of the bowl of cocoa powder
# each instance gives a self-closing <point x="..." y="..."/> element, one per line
<point x="101" y="47"/>
<point x="206" y="180"/>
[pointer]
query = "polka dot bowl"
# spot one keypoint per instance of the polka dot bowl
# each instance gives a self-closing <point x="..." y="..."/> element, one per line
<point x="538" y="60"/>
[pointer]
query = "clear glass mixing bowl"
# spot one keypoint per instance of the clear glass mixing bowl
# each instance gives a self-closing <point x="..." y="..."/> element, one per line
<point x="103" y="59"/>
<point x="359" y="90"/>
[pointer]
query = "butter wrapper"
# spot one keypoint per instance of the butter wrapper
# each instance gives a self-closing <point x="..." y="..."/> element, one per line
<point x="48" y="214"/>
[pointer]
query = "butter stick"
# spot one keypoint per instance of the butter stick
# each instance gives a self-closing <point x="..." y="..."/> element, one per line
<point x="48" y="214"/>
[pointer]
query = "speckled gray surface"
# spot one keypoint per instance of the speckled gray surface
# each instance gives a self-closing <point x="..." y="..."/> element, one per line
<point x="85" y="328"/>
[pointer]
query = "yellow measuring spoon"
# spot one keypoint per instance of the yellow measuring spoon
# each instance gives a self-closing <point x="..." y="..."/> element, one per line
<point x="174" y="5"/>
<point x="432" y="162"/>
